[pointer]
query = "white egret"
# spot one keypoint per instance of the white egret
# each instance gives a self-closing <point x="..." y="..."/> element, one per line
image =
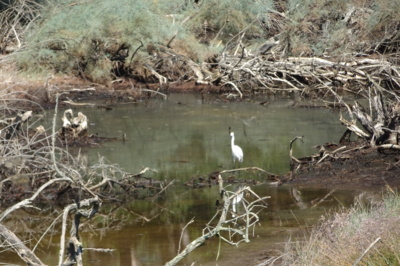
<point x="237" y="152"/>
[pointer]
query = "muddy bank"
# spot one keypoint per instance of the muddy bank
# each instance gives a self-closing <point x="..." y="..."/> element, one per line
<point x="362" y="167"/>
<point x="76" y="92"/>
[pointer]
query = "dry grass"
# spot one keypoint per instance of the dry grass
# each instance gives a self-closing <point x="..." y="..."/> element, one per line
<point x="363" y="235"/>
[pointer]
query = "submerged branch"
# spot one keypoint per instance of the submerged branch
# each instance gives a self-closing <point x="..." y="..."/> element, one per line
<point x="23" y="251"/>
<point x="224" y="224"/>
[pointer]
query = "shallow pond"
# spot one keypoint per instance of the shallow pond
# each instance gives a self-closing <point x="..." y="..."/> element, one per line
<point x="187" y="136"/>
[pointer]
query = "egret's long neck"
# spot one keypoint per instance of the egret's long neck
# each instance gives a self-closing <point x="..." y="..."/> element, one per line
<point x="232" y="141"/>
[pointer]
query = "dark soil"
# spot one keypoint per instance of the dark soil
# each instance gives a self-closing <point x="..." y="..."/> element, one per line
<point x="364" y="168"/>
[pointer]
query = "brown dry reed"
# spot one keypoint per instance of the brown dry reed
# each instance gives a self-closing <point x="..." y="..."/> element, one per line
<point x="366" y="234"/>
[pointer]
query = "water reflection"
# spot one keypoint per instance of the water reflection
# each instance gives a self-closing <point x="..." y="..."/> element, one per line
<point x="157" y="241"/>
<point x="184" y="137"/>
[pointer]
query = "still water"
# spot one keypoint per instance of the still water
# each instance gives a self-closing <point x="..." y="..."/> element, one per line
<point x="187" y="136"/>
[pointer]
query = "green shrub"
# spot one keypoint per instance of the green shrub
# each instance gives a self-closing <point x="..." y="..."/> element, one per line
<point x="79" y="37"/>
<point x="225" y="19"/>
<point x="83" y="34"/>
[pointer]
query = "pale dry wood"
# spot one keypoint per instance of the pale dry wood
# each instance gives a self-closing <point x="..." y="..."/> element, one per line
<point x="202" y="239"/>
<point x="223" y="224"/>
<point x="330" y="154"/>
<point x="71" y="102"/>
<point x="354" y="128"/>
<point x="315" y="71"/>
<point x="366" y="251"/>
<point x="20" y="248"/>
<point x="235" y="87"/>
<point x="291" y="149"/>
<point x="161" y="79"/>
<point x="245" y="169"/>
<point x="105" y="250"/>
<point x="389" y="147"/>
<point x="75" y="246"/>
<point x="28" y="202"/>
<point x="156" y="92"/>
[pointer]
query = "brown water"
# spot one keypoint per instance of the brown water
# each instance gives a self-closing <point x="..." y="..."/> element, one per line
<point x="183" y="137"/>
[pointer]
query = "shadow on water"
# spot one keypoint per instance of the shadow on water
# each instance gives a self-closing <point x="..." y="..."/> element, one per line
<point x="185" y="137"/>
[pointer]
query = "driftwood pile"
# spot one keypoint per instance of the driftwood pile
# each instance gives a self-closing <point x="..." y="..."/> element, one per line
<point x="245" y="72"/>
<point x="303" y="75"/>
<point x="376" y="127"/>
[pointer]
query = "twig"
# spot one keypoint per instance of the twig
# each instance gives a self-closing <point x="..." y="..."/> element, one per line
<point x="291" y="149"/>
<point x="70" y="102"/>
<point x="63" y="230"/>
<point x="200" y="240"/>
<point x="163" y="189"/>
<point x="235" y="87"/>
<point x="137" y="49"/>
<point x="74" y="231"/>
<point x="53" y="141"/>
<point x="48" y="228"/>
<point x="249" y="216"/>
<point x="330" y="154"/>
<point x="245" y="169"/>
<point x="183" y="230"/>
<point x="366" y="251"/>
<point x="106" y="250"/>
<point x="156" y="92"/>
<point x="28" y="202"/>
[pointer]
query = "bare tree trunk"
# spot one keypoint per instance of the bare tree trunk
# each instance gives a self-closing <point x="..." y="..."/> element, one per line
<point x="74" y="246"/>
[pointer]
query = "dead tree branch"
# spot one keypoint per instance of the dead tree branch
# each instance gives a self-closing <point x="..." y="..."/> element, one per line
<point x="28" y="202"/>
<point x="224" y="224"/>
<point x="74" y="250"/>
<point x="23" y="251"/>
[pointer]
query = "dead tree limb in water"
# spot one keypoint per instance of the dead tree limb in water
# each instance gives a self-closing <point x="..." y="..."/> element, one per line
<point x="28" y="202"/>
<point x="226" y="224"/>
<point x="74" y="247"/>
<point x="252" y="168"/>
<point x="23" y="251"/>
